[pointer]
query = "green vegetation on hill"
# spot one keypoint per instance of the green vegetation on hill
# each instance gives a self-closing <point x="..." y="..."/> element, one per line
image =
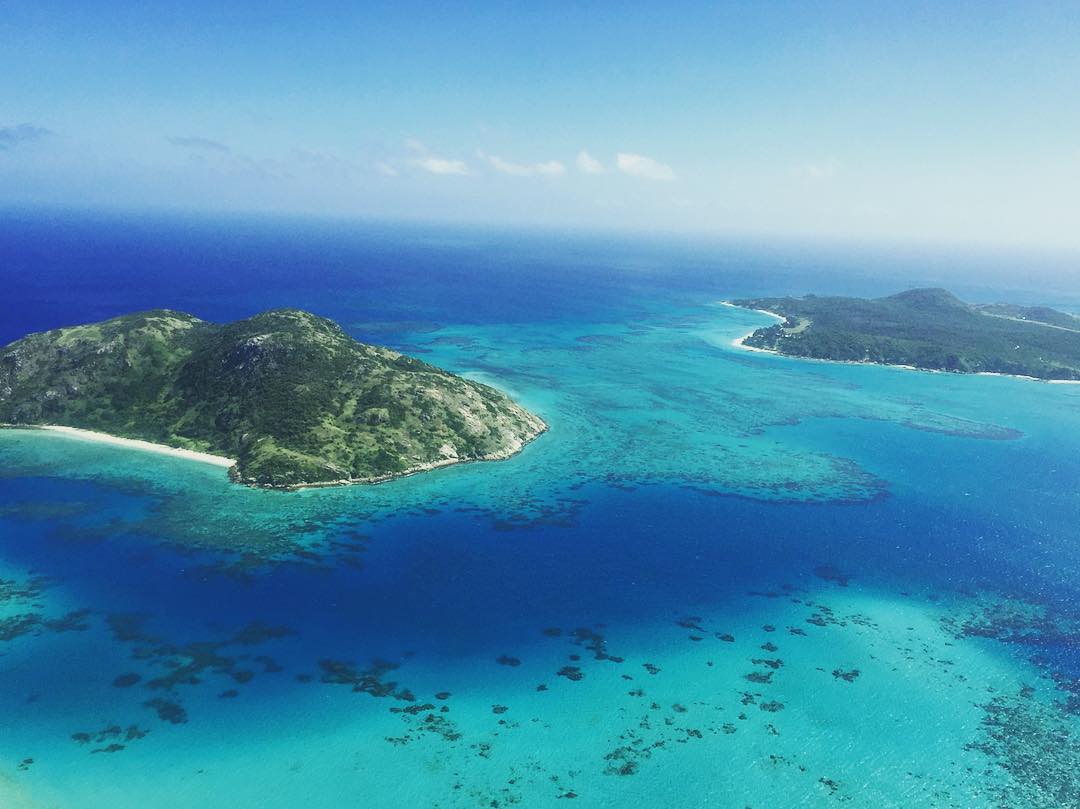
<point x="1032" y="314"/>
<point x="289" y="395"/>
<point x="926" y="328"/>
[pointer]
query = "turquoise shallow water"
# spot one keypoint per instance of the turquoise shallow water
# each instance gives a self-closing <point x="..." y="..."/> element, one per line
<point x="722" y="579"/>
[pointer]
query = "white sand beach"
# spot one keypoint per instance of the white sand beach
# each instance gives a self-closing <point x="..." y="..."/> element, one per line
<point x="1031" y="378"/>
<point x="738" y="341"/>
<point x="131" y="443"/>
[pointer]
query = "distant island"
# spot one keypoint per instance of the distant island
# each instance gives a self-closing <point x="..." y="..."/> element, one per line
<point x="928" y="329"/>
<point x="289" y="395"/>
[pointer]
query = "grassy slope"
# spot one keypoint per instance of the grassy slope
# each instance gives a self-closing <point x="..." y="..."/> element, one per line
<point x="288" y="394"/>
<point x="927" y="328"/>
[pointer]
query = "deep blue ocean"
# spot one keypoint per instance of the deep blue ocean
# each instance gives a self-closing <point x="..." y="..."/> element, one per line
<point x="721" y="579"/>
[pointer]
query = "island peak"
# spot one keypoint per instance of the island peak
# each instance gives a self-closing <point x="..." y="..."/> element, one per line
<point x="928" y="297"/>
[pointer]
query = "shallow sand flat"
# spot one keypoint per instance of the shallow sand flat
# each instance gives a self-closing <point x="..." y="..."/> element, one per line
<point x="673" y="707"/>
<point x="12" y="796"/>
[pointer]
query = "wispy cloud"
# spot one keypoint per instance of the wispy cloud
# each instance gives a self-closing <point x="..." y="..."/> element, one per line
<point x="549" y="168"/>
<point x="13" y="136"/>
<point x="587" y="164"/>
<point x="385" y="169"/>
<point x="200" y="144"/>
<point x="424" y="159"/>
<point x="441" y="165"/>
<point x="637" y="165"/>
<point x="816" y="171"/>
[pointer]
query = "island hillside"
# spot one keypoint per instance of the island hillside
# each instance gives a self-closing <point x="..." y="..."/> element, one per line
<point x="924" y="328"/>
<point x="288" y="394"/>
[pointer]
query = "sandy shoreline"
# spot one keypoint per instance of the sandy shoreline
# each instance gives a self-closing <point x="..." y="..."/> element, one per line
<point x="129" y="443"/>
<point x="229" y="463"/>
<point x="738" y="343"/>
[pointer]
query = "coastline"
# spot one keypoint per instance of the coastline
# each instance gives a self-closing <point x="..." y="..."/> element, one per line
<point x="739" y="344"/>
<point x="231" y="465"/>
<point x="129" y="443"/>
<point x="376" y="479"/>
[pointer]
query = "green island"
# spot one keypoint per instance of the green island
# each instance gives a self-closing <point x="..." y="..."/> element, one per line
<point x="289" y="395"/>
<point x="929" y="329"/>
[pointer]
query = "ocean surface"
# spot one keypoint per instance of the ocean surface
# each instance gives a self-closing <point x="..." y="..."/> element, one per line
<point x="722" y="579"/>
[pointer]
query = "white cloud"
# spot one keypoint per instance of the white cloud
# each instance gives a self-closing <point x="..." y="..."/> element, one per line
<point x="817" y="171"/>
<point x="385" y="169"/>
<point x="441" y="165"/>
<point x="506" y="167"/>
<point x="587" y="164"/>
<point x="637" y="165"/>
<point x="427" y="161"/>
<point x="550" y="168"/>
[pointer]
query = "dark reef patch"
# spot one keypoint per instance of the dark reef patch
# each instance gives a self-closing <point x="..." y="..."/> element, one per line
<point x="12" y="590"/>
<point x="113" y="737"/>
<point x="35" y="623"/>
<point x="167" y="710"/>
<point x="367" y="681"/>
<point x="691" y="622"/>
<point x="413" y="710"/>
<point x="1013" y="620"/>
<point x="594" y="642"/>
<point x="828" y="573"/>
<point x="128" y="627"/>
<point x="772" y="663"/>
<point x="1030" y="742"/>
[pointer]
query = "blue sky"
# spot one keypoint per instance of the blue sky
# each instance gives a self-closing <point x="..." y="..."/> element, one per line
<point x="938" y="121"/>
